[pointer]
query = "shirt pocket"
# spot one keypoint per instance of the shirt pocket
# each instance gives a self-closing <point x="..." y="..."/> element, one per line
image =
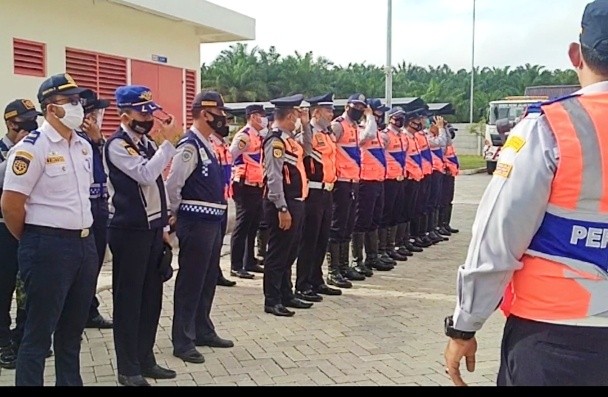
<point x="58" y="177"/>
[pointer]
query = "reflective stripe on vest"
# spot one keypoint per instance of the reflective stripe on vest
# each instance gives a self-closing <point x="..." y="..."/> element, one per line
<point x="425" y="152"/>
<point x="323" y="158"/>
<point x="438" y="164"/>
<point x="294" y="156"/>
<point x="395" y="155"/>
<point x="249" y="164"/>
<point x="451" y="160"/>
<point x="373" y="160"/>
<point x="413" y="161"/>
<point x="222" y="151"/>
<point x="564" y="274"/>
<point x="348" y="154"/>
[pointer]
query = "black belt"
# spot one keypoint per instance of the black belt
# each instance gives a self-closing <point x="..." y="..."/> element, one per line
<point x="53" y="231"/>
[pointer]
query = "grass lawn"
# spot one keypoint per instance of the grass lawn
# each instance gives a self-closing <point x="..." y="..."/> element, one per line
<point x="468" y="162"/>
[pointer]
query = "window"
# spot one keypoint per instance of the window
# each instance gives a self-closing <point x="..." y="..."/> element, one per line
<point x="29" y="58"/>
<point x="191" y="88"/>
<point x="101" y="73"/>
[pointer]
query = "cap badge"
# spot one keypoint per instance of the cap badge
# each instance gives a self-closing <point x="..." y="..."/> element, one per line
<point x="146" y="96"/>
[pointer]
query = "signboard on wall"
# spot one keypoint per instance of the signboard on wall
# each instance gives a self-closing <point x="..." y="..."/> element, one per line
<point x="159" y="59"/>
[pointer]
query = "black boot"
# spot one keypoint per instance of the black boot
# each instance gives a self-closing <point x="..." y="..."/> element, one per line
<point x="386" y="252"/>
<point x="435" y="238"/>
<point x="358" y="264"/>
<point x="448" y="220"/>
<point x="391" y="243"/>
<point x="262" y="244"/>
<point x="442" y="230"/>
<point x="371" y="253"/>
<point x="334" y="277"/>
<point x="408" y="244"/>
<point x="424" y="229"/>
<point x="436" y="225"/>
<point x="382" y="258"/>
<point x="347" y="271"/>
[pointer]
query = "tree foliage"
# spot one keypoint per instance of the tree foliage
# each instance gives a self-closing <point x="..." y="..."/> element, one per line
<point x="242" y="74"/>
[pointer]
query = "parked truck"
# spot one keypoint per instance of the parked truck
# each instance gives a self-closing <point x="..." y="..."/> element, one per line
<point x="504" y="114"/>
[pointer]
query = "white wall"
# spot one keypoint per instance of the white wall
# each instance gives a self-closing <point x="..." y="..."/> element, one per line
<point x="93" y="25"/>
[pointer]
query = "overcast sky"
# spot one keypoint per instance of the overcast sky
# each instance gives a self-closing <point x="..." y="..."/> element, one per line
<point x="425" y="32"/>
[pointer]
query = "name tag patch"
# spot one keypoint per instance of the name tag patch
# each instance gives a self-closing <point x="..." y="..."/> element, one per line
<point x="515" y="142"/>
<point x="503" y="170"/>
<point x="55" y="159"/>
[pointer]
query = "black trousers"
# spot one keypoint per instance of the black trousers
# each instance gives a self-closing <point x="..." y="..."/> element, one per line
<point x="224" y="228"/>
<point x="447" y="190"/>
<point x="282" y="252"/>
<point x="137" y="290"/>
<point x="199" y="251"/>
<point x="424" y="193"/>
<point x="8" y="277"/>
<point x="99" y="208"/>
<point x="411" y="191"/>
<point x="59" y="276"/>
<point x="435" y="191"/>
<point x="313" y="247"/>
<point x="345" y="199"/>
<point x="543" y="354"/>
<point x="248" y="200"/>
<point x="394" y="201"/>
<point x="369" y="206"/>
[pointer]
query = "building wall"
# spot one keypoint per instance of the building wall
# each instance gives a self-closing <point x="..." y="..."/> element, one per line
<point x="93" y="25"/>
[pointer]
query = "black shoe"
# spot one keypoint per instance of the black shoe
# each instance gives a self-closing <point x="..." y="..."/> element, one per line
<point x="337" y="280"/>
<point x="443" y="231"/>
<point x="381" y="267"/>
<point x="451" y="229"/>
<point x="434" y="236"/>
<point x="298" y="304"/>
<point x="192" y="356"/>
<point x="215" y="341"/>
<point x="279" y="310"/>
<point x="324" y="289"/>
<point x="397" y="256"/>
<point x="224" y="282"/>
<point x="158" y="372"/>
<point x="8" y="357"/>
<point x="363" y="271"/>
<point x="99" y="322"/>
<point x="242" y="274"/>
<point x="255" y="269"/>
<point x="309" y="296"/>
<point x="412" y="248"/>
<point x="137" y="380"/>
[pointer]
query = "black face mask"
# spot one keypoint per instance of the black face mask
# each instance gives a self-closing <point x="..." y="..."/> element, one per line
<point x="355" y="114"/>
<point x="141" y="127"/>
<point x="224" y="132"/>
<point x="29" y="126"/>
<point x="417" y="126"/>
<point x="380" y="122"/>
<point x="398" y="123"/>
<point x="218" y="124"/>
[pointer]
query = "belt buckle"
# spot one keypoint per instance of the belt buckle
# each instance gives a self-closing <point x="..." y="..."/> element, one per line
<point x="84" y="233"/>
<point x="329" y="187"/>
<point x="400" y="178"/>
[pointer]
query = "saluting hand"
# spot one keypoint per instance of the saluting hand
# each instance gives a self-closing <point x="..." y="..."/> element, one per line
<point x="305" y="116"/>
<point x="368" y="111"/>
<point x="169" y="129"/>
<point x="440" y="121"/>
<point x="285" y="220"/>
<point x="89" y="126"/>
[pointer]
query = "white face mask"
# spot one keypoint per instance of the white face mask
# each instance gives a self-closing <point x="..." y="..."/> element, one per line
<point x="264" y="123"/>
<point x="74" y="116"/>
<point x="263" y="132"/>
<point x="298" y="125"/>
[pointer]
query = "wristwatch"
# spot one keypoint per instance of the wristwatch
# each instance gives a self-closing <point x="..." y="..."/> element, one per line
<point x="454" y="333"/>
<point x="283" y="209"/>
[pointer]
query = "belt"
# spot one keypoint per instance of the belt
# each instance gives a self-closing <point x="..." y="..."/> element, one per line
<point x="321" y="186"/>
<point x="238" y="180"/>
<point x="348" y="180"/>
<point x="53" y="231"/>
<point x="398" y="179"/>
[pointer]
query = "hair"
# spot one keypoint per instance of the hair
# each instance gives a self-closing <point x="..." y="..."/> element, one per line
<point x="196" y="113"/>
<point x="596" y="61"/>
<point x="281" y="114"/>
<point x="125" y="111"/>
<point x="46" y="102"/>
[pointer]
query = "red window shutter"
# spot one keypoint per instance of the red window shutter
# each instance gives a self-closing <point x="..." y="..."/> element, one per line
<point x="101" y="73"/>
<point x="29" y="58"/>
<point x="191" y="88"/>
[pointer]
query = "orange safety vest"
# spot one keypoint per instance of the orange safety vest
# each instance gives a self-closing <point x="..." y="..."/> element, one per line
<point x="321" y="164"/>
<point x="373" y="160"/>
<point x="425" y="152"/>
<point x="565" y="269"/>
<point x="413" y="161"/>
<point x="451" y="160"/>
<point x="395" y="155"/>
<point x="222" y="151"/>
<point x="295" y="181"/>
<point x="348" y="155"/>
<point x="249" y="164"/>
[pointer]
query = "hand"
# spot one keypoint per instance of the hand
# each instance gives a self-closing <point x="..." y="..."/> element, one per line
<point x="172" y="220"/>
<point x="454" y="352"/>
<point x="168" y="129"/>
<point x="166" y="237"/>
<point x="284" y="220"/>
<point x="368" y="111"/>
<point x="440" y="121"/>
<point x="89" y="126"/>
<point x="305" y="116"/>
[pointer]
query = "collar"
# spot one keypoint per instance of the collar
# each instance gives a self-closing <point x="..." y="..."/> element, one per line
<point x="290" y="134"/>
<point x="394" y="129"/>
<point x="206" y="142"/>
<point x="54" y="136"/>
<point x="252" y="127"/>
<point x="135" y="137"/>
<point x="216" y="139"/>
<point x="316" y="127"/>
<point x="602" y="86"/>
<point x="7" y="142"/>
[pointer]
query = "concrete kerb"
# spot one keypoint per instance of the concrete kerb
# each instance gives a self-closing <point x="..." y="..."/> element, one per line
<point x="474" y="171"/>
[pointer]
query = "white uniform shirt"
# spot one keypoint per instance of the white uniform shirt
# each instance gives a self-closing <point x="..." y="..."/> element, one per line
<point x="509" y="215"/>
<point x="56" y="175"/>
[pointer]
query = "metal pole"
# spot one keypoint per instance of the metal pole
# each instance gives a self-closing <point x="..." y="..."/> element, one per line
<point x="472" y="95"/>
<point x="389" y="49"/>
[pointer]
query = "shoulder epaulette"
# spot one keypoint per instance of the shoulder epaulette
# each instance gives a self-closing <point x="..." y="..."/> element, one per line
<point x="537" y="108"/>
<point x="32" y="137"/>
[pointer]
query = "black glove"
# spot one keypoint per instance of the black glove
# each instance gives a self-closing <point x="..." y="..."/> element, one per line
<point x="165" y="268"/>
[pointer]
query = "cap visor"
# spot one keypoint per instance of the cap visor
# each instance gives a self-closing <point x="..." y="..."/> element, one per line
<point x="359" y="102"/>
<point x="72" y="91"/>
<point x="102" y="104"/>
<point x="30" y="114"/>
<point x="149" y="107"/>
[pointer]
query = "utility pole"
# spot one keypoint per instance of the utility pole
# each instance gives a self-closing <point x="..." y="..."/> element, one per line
<point x="472" y="95"/>
<point x="389" y="51"/>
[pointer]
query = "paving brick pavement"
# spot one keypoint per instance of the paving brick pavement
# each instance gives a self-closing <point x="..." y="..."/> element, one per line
<point x="387" y="330"/>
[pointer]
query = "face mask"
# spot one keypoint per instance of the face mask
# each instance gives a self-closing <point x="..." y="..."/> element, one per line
<point x="218" y="124"/>
<point x="29" y="126"/>
<point x="224" y="132"/>
<point x="263" y="132"/>
<point x="355" y="114"/>
<point x="264" y="123"/>
<point x="298" y="125"/>
<point x="398" y="123"/>
<point x="74" y="115"/>
<point x="380" y="122"/>
<point x="141" y="127"/>
<point x="417" y="126"/>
